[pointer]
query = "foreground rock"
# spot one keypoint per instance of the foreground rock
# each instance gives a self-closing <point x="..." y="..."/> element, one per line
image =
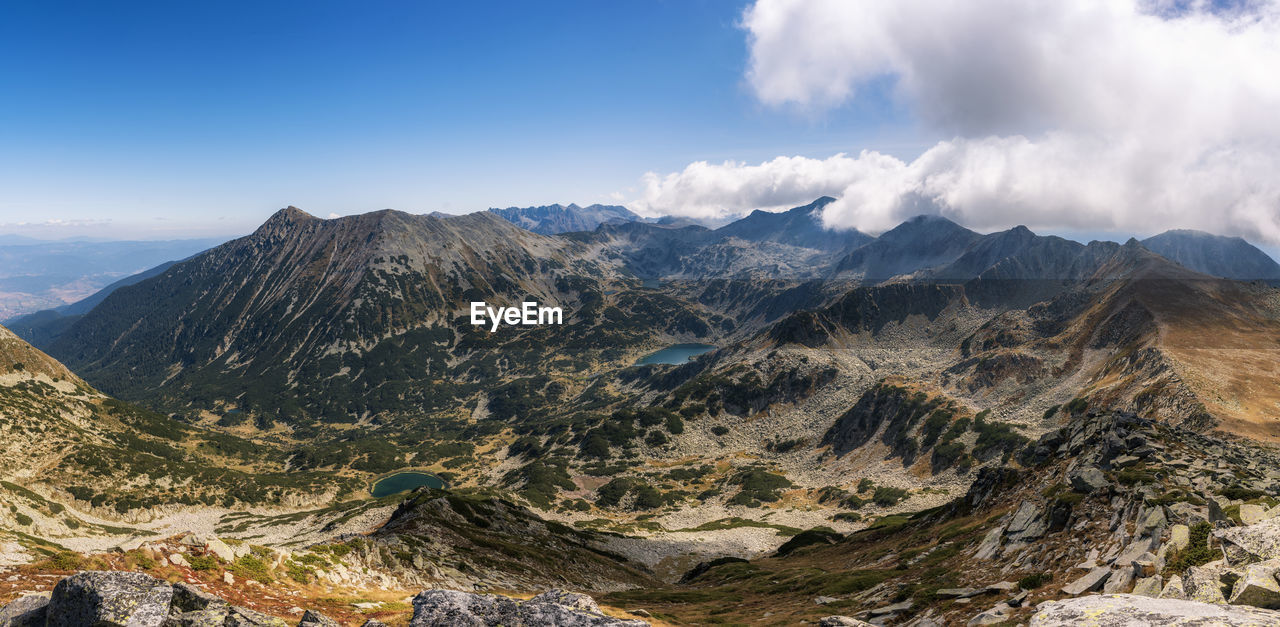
<point x="27" y="611"/>
<point x="1117" y="610"/>
<point x="448" y="608"/>
<point x="109" y="598"/>
<point x="127" y="599"/>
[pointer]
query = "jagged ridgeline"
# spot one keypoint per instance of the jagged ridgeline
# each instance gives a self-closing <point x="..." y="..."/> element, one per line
<point x="362" y="317"/>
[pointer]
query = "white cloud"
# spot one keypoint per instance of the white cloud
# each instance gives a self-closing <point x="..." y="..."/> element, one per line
<point x="1090" y="114"/>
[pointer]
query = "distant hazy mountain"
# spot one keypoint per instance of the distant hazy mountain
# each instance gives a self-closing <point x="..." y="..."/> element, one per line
<point x="919" y="243"/>
<point x="800" y="226"/>
<point x="44" y="326"/>
<point x="789" y="244"/>
<point x="553" y="219"/>
<point x="37" y="275"/>
<point x="1215" y="255"/>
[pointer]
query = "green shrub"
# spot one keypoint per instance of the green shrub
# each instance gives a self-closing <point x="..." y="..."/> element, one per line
<point x="761" y="485"/>
<point x="251" y="567"/>
<point x="1196" y="553"/>
<point x="1238" y="493"/>
<point x="886" y="496"/>
<point x="67" y="560"/>
<point x="202" y="562"/>
<point x="1031" y="582"/>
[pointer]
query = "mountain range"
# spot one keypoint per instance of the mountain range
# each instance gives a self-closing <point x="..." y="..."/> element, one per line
<point x="880" y="425"/>
<point x="554" y="219"/>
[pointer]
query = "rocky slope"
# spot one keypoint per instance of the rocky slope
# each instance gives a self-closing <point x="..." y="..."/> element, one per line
<point x="1107" y="502"/>
<point x="80" y="468"/>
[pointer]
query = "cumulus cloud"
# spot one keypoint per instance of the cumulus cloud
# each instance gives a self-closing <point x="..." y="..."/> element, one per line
<point x="1090" y="114"/>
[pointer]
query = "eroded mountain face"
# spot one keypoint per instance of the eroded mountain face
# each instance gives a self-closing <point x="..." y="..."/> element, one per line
<point x="854" y="380"/>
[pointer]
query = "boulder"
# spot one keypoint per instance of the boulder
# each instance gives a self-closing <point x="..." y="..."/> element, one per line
<point x="177" y="559"/>
<point x="842" y="621"/>
<point x="315" y="619"/>
<point x="109" y="599"/>
<point x="1153" y="522"/>
<point x="1088" y="480"/>
<point x="990" y="545"/>
<point x="1205" y="583"/>
<point x="1091" y="581"/>
<point x="1216" y="515"/>
<point x="571" y="600"/>
<point x="1258" y="586"/>
<point x="895" y="608"/>
<point x="957" y="593"/>
<point x="1121" y="580"/>
<point x="1188" y="513"/>
<point x="1173" y="589"/>
<point x="1179" y="537"/>
<point x="220" y="548"/>
<point x="1001" y="586"/>
<point x="447" y="608"/>
<point x="192" y="607"/>
<point x="26" y="611"/>
<point x="1148" y="586"/>
<point x="1124" y="461"/>
<point x="1027" y="523"/>
<point x="997" y="614"/>
<point x="241" y="617"/>
<point x="1252" y="514"/>
<point x="1261" y="540"/>
<point x="1146" y="565"/>
<point x="373" y="622"/>
<point x="1117" y="610"/>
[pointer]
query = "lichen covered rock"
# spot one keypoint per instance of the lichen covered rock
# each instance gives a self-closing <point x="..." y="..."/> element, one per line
<point x="1127" y="610"/>
<point x="449" y="608"/>
<point x="109" y="599"/>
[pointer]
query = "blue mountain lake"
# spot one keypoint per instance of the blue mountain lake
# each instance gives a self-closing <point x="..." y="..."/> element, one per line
<point x="675" y="354"/>
<point x="405" y="481"/>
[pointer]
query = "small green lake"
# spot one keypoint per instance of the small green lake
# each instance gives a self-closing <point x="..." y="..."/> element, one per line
<point x="405" y="481"/>
<point x="675" y="354"/>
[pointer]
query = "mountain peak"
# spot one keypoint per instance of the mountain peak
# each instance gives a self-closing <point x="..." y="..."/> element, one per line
<point x="1215" y="255"/>
<point x="285" y="219"/>
<point x="292" y="214"/>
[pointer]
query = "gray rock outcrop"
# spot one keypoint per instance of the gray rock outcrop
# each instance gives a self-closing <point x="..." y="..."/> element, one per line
<point x="449" y="608"/>
<point x="27" y="611"/>
<point x="109" y="599"/>
<point x="1127" y="610"/>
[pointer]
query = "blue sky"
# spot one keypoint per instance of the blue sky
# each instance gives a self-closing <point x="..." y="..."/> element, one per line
<point x="169" y="119"/>
<point x="156" y="119"/>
